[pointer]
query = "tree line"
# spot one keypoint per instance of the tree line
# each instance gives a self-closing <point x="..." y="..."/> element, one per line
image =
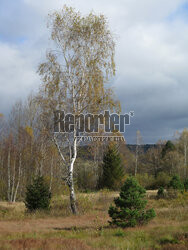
<point x="26" y="151"/>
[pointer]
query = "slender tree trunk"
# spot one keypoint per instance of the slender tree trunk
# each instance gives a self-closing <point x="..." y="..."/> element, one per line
<point x="8" y="173"/>
<point x="13" y="181"/>
<point x="138" y="142"/>
<point x="72" y="194"/>
<point x="136" y="161"/>
<point x="41" y="167"/>
<point x="69" y="178"/>
<point x="19" y="177"/>
<point x="42" y="159"/>
<point x="51" y="173"/>
<point x="71" y="181"/>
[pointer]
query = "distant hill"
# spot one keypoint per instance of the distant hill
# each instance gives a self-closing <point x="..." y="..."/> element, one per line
<point x="144" y="147"/>
<point x="85" y="153"/>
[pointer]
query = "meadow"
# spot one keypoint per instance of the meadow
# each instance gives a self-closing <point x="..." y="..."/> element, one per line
<point x="59" y="229"/>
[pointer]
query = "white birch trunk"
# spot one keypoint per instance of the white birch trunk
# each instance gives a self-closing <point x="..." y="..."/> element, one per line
<point x="19" y="177"/>
<point x="70" y="178"/>
<point x="13" y="180"/>
<point x="8" y="173"/>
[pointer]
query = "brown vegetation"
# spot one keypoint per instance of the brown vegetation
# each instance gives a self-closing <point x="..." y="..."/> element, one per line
<point x="90" y="229"/>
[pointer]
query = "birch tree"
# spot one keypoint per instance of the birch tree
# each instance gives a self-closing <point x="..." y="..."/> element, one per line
<point x="138" y="143"/>
<point x="75" y="75"/>
<point x="2" y="125"/>
<point x="183" y="147"/>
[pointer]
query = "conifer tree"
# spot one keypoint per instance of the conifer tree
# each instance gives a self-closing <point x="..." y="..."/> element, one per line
<point x="176" y="184"/>
<point x="113" y="171"/>
<point x="129" y="209"/>
<point x="169" y="146"/>
<point x="37" y="194"/>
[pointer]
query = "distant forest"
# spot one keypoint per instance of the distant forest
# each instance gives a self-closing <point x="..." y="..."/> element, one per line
<point x="26" y="150"/>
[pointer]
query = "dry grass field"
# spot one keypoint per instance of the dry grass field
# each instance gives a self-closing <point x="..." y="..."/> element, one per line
<point x="58" y="229"/>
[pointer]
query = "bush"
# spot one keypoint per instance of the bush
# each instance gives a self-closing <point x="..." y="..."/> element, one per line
<point x="162" y="180"/>
<point x="161" y="193"/>
<point x="145" y="180"/>
<point x="129" y="209"/>
<point x="186" y="185"/>
<point x="176" y="184"/>
<point x="38" y="195"/>
<point x="168" y="240"/>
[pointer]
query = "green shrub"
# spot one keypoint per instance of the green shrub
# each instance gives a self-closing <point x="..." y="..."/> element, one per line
<point x="162" y="180"/>
<point x="186" y="185"/>
<point x="168" y="240"/>
<point x="37" y="195"/>
<point x="161" y="193"/>
<point x="145" y="180"/>
<point x="129" y="209"/>
<point x="176" y="184"/>
<point x="120" y="233"/>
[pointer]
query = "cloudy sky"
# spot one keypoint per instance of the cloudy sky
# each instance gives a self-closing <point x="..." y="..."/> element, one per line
<point x="151" y="57"/>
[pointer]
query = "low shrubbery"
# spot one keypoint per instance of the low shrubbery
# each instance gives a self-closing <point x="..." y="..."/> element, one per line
<point x="161" y="193"/>
<point x="162" y="180"/>
<point x="145" y="180"/>
<point x="186" y="185"/>
<point x="176" y="184"/>
<point x="175" y="187"/>
<point x="150" y="182"/>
